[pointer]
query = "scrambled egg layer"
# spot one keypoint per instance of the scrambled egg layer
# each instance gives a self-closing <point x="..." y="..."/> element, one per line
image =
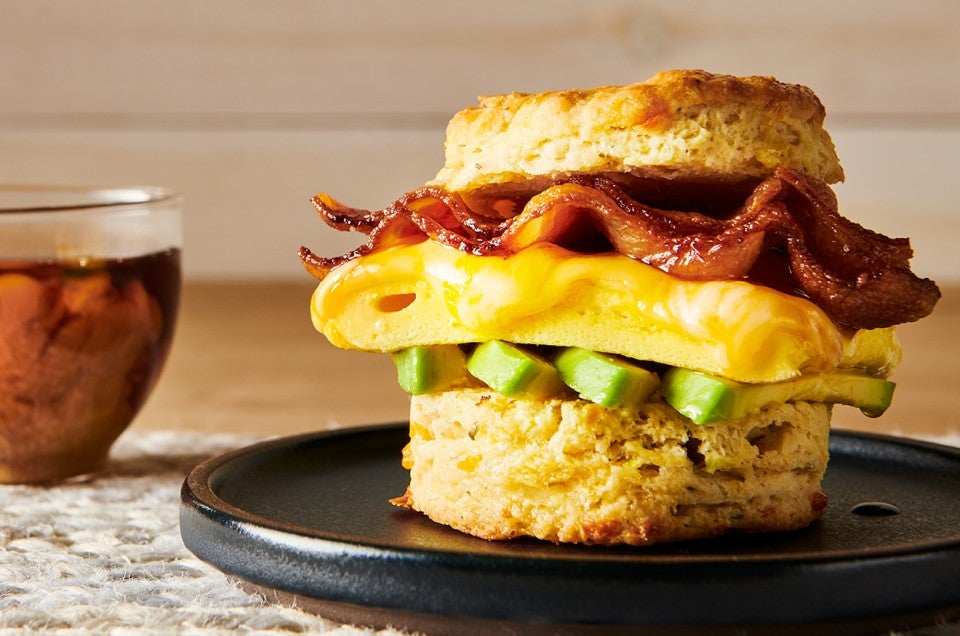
<point x="428" y="293"/>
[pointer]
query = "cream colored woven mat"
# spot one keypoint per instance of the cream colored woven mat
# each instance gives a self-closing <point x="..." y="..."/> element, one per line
<point x="105" y="556"/>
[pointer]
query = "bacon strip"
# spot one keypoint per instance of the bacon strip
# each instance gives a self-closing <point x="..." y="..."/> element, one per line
<point x="685" y="244"/>
<point x="861" y="279"/>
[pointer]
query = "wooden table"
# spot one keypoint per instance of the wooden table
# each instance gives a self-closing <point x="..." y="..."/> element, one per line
<point x="246" y="359"/>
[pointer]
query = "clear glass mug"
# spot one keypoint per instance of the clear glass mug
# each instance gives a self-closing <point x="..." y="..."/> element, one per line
<point x="89" y="290"/>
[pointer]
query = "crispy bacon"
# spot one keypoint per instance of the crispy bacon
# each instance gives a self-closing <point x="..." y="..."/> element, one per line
<point x="861" y="279"/>
<point x="685" y="244"/>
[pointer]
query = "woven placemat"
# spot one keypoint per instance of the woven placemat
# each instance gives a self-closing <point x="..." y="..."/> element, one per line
<point x="104" y="556"/>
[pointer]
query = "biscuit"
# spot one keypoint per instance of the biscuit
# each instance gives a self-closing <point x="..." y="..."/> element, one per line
<point x="572" y="471"/>
<point x="679" y="125"/>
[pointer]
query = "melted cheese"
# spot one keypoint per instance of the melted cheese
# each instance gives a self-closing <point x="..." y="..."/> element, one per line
<point x="428" y="293"/>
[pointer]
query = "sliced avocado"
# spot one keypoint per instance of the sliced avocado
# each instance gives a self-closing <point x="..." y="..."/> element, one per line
<point x="707" y="398"/>
<point x="604" y="379"/>
<point x="426" y="369"/>
<point x="510" y="370"/>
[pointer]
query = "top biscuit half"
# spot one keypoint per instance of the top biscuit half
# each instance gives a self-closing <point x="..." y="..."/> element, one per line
<point x="679" y="125"/>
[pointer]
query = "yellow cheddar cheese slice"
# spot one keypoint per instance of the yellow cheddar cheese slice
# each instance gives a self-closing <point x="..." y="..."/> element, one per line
<point x="429" y="293"/>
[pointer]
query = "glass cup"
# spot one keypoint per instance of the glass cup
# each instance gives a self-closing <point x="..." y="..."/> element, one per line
<point x="89" y="289"/>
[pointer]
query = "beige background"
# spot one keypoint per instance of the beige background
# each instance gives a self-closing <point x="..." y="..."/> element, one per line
<point x="249" y="108"/>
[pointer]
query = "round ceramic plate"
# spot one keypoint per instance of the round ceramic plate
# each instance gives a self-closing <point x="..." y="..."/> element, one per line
<point x="307" y="520"/>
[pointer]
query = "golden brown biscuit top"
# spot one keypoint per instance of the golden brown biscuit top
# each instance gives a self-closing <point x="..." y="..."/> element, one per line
<point x="678" y="124"/>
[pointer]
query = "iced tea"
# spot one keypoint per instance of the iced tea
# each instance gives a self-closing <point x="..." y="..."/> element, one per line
<point x="82" y="343"/>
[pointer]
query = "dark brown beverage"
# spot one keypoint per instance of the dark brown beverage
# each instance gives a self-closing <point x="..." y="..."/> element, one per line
<point x="82" y="343"/>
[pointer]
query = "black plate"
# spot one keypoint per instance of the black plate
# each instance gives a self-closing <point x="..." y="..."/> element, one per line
<point x="307" y="519"/>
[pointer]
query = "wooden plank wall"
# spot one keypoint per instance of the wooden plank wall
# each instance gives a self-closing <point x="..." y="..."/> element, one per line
<point x="248" y="108"/>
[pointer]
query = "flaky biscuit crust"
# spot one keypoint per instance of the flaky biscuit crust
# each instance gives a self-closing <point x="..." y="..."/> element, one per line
<point x="570" y="471"/>
<point x="689" y="125"/>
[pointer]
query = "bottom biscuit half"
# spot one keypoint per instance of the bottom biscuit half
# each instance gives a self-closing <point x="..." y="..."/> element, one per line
<point x="570" y="471"/>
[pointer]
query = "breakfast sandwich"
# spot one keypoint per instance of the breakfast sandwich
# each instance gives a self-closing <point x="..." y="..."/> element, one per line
<point x="624" y="314"/>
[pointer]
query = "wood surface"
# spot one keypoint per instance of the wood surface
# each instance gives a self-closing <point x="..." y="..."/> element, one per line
<point x="250" y="108"/>
<point x="246" y="359"/>
<point x="347" y="62"/>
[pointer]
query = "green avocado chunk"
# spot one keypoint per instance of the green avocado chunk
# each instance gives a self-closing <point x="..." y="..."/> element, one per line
<point x="425" y="369"/>
<point x="514" y="372"/>
<point x="707" y="398"/>
<point x="604" y="379"/>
